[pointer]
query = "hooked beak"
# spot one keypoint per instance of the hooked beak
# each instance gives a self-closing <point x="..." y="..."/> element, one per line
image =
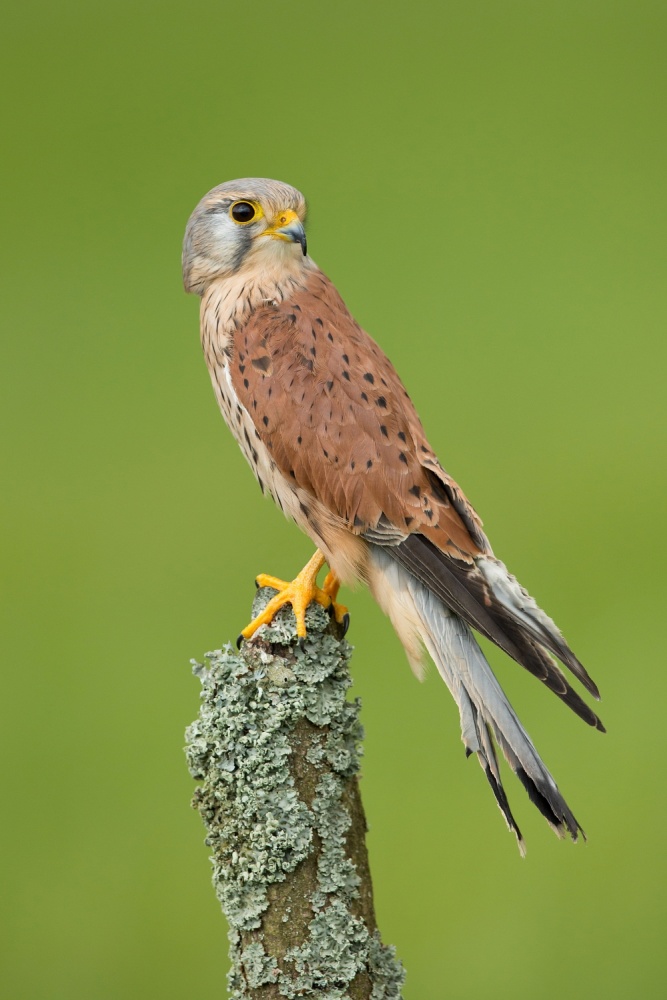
<point x="288" y="226"/>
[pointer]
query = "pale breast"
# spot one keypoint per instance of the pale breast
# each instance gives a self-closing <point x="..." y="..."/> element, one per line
<point x="223" y="310"/>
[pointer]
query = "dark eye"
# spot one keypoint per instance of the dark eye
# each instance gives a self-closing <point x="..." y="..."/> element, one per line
<point x="243" y="211"/>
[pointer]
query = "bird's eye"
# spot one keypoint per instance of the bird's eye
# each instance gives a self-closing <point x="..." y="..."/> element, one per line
<point x="243" y="211"/>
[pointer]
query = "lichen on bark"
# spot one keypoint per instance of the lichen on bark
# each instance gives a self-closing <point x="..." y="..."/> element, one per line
<point x="276" y="748"/>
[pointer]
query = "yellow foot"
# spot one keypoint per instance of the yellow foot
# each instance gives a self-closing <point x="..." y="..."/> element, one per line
<point x="331" y="587"/>
<point x="299" y="593"/>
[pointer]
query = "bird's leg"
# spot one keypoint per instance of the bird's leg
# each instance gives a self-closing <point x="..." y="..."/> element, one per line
<point x="299" y="593"/>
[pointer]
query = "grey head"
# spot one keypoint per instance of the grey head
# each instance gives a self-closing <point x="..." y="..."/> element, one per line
<point x="247" y="223"/>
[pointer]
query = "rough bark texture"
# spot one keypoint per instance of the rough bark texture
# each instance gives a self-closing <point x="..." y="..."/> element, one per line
<point x="276" y="747"/>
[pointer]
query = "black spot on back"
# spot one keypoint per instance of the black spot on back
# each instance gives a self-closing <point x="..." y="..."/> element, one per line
<point x="261" y="364"/>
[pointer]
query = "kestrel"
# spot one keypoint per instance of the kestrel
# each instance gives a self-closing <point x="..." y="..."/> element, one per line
<point x="332" y="435"/>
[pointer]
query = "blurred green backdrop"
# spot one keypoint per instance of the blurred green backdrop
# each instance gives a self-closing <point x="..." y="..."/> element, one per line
<point x="487" y="190"/>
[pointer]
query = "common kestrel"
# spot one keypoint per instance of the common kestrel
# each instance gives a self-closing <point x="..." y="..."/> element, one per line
<point x="332" y="435"/>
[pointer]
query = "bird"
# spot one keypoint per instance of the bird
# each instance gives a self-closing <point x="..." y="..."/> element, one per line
<point x="333" y="437"/>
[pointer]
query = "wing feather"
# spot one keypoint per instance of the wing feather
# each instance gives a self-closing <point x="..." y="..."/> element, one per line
<point x="338" y="422"/>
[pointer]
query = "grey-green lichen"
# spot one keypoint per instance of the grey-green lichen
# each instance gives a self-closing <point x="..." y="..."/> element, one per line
<point x="277" y="748"/>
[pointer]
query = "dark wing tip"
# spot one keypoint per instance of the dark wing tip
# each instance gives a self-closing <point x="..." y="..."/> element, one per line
<point x="564" y="653"/>
<point x="467" y="592"/>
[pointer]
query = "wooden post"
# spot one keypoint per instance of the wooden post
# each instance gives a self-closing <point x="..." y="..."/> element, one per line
<point x="276" y="748"/>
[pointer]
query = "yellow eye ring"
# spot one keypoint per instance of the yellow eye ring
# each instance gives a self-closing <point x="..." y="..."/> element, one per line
<point x="244" y="212"/>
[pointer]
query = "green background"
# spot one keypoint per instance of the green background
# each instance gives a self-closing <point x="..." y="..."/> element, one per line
<point x="487" y="190"/>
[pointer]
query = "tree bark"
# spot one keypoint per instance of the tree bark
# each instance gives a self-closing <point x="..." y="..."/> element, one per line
<point x="276" y="748"/>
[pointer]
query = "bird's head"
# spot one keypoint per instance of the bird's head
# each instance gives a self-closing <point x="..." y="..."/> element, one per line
<point x="252" y="222"/>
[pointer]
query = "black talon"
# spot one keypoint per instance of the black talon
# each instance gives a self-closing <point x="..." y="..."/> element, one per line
<point x="256" y="585"/>
<point x="330" y="610"/>
<point x="301" y="643"/>
<point x="239" y="641"/>
<point x="346" y="623"/>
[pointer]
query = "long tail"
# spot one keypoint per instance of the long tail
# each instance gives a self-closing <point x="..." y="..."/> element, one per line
<point x="420" y="617"/>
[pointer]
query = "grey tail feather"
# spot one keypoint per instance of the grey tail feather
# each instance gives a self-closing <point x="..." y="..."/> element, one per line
<point x="486" y="713"/>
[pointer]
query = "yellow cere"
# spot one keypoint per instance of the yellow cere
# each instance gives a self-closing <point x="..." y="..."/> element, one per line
<point x="281" y="220"/>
